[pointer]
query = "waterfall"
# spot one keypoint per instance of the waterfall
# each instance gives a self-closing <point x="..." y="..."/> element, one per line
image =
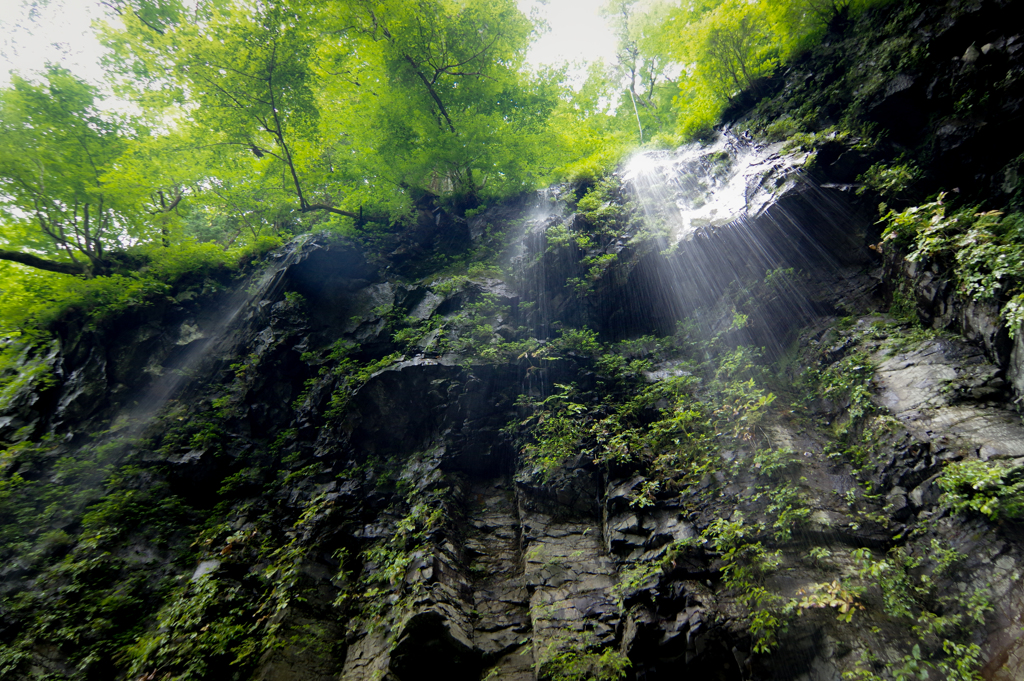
<point x="704" y="185"/>
<point x="737" y="221"/>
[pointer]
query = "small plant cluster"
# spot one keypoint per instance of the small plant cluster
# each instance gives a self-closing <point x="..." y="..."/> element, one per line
<point x="386" y="587"/>
<point x="744" y="562"/>
<point x="25" y="367"/>
<point x="993" y="488"/>
<point x="614" y="427"/>
<point x="472" y="332"/>
<point x="831" y="595"/>
<point x="984" y="251"/>
<point x="601" y="206"/>
<point x="942" y="622"/>
<point x="845" y="385"/>
<point x="603" y="218"/>
<point x="573" y="657"/>
<point x="595" y="266"/>
<point x="889" y="179"/>
<point x="351" y="375"/>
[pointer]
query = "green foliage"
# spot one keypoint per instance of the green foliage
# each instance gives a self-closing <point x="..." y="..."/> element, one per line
<point x="641" y="80"/>
<point x="586" y="141"/>
<point x="833" y="595"/>
<point x="993" y="488"/>
<point x="350" y="103"/>
<point x="743" y="407"/>
<point x="786" y="505"/>
<point x="34" y="300"/>
<point x="202" y="623"/>
<point x="388" y="582"/>
<point x="449" y="287"/>
<point x="559" y="430"/>
<point x="744" y="562"/>
<point x="889" y="180"/>
<point x="728" y="46"/>
<point x="390" y="560"/>
<point x="782" y="129"/>
<point x="579" y="341"/>
<point x="88" y="599"/>
<point x="621" y="369"/>
<point x="962" y="661"/>
<point x="352" y="375"/>
<point x="904" y="306"/>
<point x="599" y="206"/>
<point x="645" y="496"/>
<point x="23" y="368"/>
<point x="472" y="332"/>
<point x="636" y="577"/>
<point x="780" y="277"/>
<point x="770" y="462"/>
<point x="846" y="384"/>
<point x="892" y="575"/>
<point x="985" y="251"/>
<point x="55" y="147"/>
<point x="677" y="445"/>
<point x="940" y="621"/>
<point x="568" y="658"/>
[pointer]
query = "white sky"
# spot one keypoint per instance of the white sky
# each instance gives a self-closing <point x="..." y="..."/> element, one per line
<point x="578" y="31"/>
<point x="61" y="33"/>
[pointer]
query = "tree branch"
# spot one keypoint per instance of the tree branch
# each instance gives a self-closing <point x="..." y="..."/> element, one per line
<point x="433" y="93"/>
<point x="306" y="208"/>
<point x="43" y="263"/>
<point x="164" y="207"/>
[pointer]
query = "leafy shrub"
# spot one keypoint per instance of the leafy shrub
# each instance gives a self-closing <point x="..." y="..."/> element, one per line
<point x="559" y="430"/>
<point x="575" y="661"/>
<point x="579" y="341"/>
<point x="889" y="180"/>
<point x="744" y="563"/>
<point x="992" y="488"/>
<point x="598" y="205"/>
<point x="985" y="251"/>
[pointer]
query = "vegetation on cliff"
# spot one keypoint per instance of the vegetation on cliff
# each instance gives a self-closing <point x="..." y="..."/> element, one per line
<point x="423" y="441"/>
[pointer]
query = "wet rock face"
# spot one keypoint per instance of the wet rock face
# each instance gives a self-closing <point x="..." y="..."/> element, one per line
<point x="376" y="518"/>
<point x="350" y="487"/>
<point x="609" y="270"/>
<point x="941" y="307"/>
<point x="943" y="80"/>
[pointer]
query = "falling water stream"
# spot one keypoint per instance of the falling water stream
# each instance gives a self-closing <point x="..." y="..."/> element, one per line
<point x="732" y="215"/>
<point x="706" y="185"/>
<point x="737" y="244"/>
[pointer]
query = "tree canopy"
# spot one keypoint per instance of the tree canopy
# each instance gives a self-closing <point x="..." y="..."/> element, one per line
<point x="55" y="149"/>
<point x="264" y="119"/>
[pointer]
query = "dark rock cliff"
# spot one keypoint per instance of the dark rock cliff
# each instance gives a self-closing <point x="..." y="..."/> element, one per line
<point x="608" y="454"/>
